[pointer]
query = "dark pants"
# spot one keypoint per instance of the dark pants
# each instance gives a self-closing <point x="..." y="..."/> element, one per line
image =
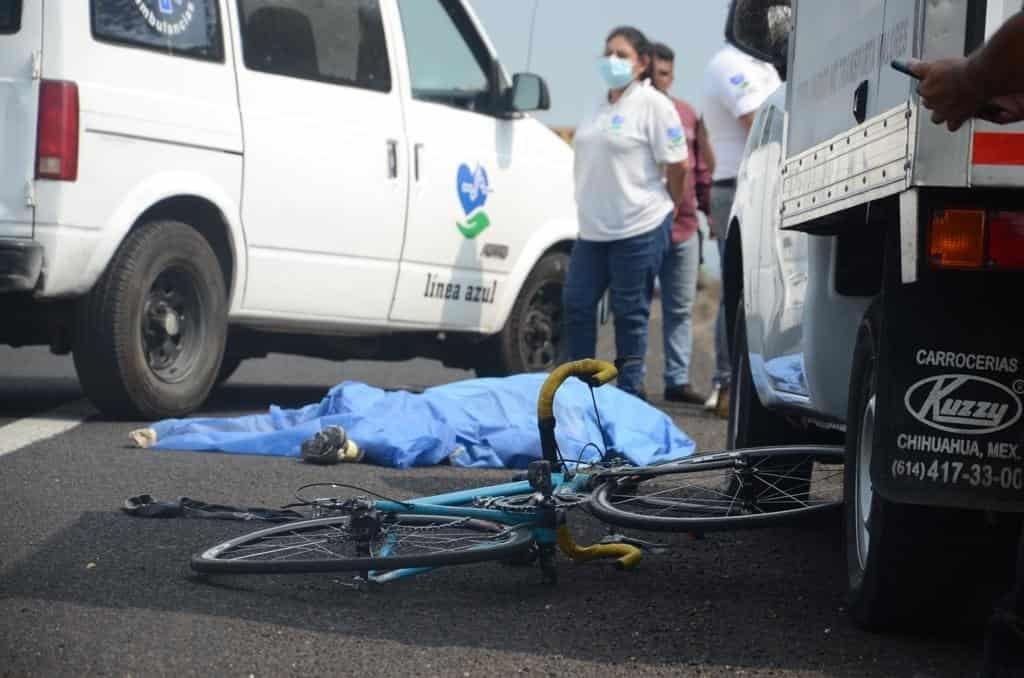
<point x="722" y="195"/>
<point x="627" y="268"/>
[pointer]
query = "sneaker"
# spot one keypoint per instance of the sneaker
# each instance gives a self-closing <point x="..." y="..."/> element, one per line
<point x="712" y="402"/>
<point x="722" y="406"/>
<point x="683" y="394"/>
<point x="330" y="446"/>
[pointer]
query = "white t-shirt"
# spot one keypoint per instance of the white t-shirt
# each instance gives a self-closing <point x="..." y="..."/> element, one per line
<point x="734" y="84"/>
<point x="620" y="150"/>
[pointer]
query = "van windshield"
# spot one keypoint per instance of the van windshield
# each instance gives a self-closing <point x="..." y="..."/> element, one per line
<point x="10" y="16"/>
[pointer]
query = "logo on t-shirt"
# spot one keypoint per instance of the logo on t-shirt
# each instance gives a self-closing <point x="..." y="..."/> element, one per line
<point x="739" y="80"/>
<point x="473" y="187"/>
<point x="676" y="138"/>
<point x="617" y="122"/>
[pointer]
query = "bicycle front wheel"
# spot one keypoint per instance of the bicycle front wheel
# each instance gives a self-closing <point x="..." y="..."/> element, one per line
<point x="733" y="490"/>
<point x="341" y="543"/>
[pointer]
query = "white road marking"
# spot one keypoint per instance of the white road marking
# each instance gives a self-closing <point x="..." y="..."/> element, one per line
<point x="25" y="432"/>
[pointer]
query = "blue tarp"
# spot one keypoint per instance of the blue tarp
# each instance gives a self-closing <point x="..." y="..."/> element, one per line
<point x="482" y="423"/>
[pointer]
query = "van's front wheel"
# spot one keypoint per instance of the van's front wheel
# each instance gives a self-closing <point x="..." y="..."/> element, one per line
<point x="150" y="335"/>
<point x="532" y="337"/>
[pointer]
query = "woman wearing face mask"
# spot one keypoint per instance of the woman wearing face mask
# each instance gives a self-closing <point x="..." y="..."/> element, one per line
<point x="625" y="149"/>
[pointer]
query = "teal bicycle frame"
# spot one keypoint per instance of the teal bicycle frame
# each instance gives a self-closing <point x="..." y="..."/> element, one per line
<point x="542" y="523"/>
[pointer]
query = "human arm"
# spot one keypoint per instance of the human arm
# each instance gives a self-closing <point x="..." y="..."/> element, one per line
<point x="675" y="174"/>
<point x="703" y="168"/>
<point x="669" y="146"/>
<point x="958" y="89"/>
<point x="705" y="153"/>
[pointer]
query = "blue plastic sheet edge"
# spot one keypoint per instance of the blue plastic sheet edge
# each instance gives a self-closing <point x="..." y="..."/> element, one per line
<point x="479" y="423"/>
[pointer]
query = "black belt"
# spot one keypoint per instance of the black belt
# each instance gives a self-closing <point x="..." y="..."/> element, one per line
<point x="724" y="183"/>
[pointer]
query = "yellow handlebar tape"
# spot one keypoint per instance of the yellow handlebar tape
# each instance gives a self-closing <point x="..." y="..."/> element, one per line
<point x="627" y="556"/>
<point x="595" y="372"/>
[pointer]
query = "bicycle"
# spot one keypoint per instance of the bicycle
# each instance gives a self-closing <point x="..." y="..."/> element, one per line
<point x="383" y="539"/>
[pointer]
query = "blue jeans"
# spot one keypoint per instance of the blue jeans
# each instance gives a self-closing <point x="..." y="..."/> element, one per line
<point x="678" y="277"/>
<point x="627" y="268"/>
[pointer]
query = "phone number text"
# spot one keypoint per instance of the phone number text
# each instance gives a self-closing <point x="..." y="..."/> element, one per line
<point x="959" y="473"/>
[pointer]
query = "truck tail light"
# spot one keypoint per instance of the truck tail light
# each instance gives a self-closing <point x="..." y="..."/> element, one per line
<point x="977" y="239"/>
<point x="1006" y="239"/>
<point x="57" y="136"/>
<point x="957" y="239"/>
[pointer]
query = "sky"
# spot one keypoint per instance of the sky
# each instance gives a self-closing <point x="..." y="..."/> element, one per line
<point x="569" y="37"/>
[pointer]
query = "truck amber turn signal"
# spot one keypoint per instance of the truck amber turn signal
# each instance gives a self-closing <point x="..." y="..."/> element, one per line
<point x="957" y="239"/>
<point x="976" y="239"/>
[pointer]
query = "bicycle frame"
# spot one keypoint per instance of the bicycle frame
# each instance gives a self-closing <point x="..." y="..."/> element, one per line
<point x="543" y="524"/>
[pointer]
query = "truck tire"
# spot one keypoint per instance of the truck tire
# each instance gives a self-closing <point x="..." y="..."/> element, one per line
<point x="531" y="340"/>
<point x="911" y="566"/>
<point x="150" y="335"/>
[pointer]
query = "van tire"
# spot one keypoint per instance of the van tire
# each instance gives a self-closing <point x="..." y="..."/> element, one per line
<point x="167" y="368"/>
<point x="228" y="366"/>
<point x="531" y="340"/>
<point x="918" y="566"/>
<point x="751" y="424"/>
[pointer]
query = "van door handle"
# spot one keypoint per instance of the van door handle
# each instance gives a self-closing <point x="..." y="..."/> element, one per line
<point x="392" y="159"/>
<point x="417" y="150"/>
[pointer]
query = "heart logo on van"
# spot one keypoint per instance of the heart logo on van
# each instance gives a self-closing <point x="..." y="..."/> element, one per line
<point x="473" y="187"/>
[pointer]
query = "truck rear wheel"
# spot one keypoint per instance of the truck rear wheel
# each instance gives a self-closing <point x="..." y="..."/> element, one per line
<point x="150" y="335"/>
<point x="531" y="340"/>
<point x="909" y="566"/>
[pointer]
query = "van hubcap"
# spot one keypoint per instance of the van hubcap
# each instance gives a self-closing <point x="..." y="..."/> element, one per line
<point x="864" y="488"/>
<point x="172" y="326"/>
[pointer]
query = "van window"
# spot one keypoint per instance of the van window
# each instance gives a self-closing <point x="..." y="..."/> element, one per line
<point x="189" y="28"/>
<point x="448" y="61"/>
<point x="10" y="16"/>
<point x="336" y="41"/>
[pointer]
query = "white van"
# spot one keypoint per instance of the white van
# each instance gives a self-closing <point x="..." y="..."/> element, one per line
<point x="185" y="184"/>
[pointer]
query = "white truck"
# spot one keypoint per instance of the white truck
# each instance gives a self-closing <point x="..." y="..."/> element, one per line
<point x="873" y="276"/>
<point x="185" y="184"/>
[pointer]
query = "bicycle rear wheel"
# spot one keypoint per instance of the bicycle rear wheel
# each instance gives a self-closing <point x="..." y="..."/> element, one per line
<point x="382" y="543"/>
<point x="727" y="491"/>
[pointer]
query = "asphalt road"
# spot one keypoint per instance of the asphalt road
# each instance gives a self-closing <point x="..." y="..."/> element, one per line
<point x="88" y="590"/>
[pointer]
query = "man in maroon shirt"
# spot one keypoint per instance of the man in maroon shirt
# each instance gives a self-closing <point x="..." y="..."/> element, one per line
<point x="681" y="265"/>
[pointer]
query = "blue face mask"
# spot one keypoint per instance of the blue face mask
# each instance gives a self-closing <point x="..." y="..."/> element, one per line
<point x="616" y="71"/>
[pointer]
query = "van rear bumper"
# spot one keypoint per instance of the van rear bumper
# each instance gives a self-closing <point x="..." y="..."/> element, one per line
<point x="21" y="264"/>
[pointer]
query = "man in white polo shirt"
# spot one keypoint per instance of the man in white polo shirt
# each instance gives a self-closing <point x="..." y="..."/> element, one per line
<point x="735" y="86"/>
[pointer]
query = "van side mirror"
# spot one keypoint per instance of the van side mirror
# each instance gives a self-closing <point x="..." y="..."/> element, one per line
<point x="761" y="28"/>
<point x="529" y="92"/>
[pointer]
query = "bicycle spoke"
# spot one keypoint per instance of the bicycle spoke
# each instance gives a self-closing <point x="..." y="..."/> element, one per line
<point x="727" y="491"/>
<point x="341" y="542"/>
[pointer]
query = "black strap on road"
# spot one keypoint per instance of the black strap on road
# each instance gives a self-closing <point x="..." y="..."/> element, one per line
<point x="146" y="506"/>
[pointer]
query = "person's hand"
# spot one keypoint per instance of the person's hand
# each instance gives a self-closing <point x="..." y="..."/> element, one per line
<point x="948" y="89"/>
<point x="1004" y="110"/>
